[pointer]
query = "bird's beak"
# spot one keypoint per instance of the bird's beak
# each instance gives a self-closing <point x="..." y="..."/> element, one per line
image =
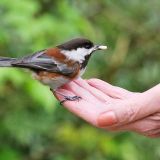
<point x="99" y="47"/>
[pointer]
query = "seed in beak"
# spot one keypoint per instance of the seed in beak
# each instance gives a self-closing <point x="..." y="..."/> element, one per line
<point x="102" y="47"/>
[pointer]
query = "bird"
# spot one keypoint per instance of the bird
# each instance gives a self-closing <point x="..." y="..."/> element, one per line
<point x="58" y="65"/>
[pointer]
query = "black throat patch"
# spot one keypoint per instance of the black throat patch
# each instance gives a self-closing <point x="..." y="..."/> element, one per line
<point x="85" y="62"/>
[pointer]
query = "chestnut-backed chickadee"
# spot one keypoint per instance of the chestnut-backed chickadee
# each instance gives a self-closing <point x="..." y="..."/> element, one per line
<point x="59" y="65"/>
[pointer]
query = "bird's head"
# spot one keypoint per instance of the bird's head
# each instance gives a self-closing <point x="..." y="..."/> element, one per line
<point x="79" y="49"/>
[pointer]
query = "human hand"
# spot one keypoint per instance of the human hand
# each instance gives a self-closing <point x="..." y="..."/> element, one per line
<point x="113" y="108"/>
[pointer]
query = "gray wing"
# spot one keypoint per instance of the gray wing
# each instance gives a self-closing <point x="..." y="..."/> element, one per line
<point x="42" y="62"/>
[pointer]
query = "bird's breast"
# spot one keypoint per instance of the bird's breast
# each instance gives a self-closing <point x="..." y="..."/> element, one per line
<point x="56" y="80"/>
<point x="52" y="80"/>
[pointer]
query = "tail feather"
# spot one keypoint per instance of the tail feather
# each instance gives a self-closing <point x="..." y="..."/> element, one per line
<point x="6" y="62"/>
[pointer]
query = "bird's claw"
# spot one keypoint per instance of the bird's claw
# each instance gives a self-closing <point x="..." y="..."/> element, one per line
<point x="69" y="98"/>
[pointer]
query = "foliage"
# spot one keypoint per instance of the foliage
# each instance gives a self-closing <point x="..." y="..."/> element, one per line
<point x="32" y="124"/>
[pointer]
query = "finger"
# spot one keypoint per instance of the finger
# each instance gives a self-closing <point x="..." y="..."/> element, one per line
<point x="148" y="129"/>
<point x="81" y="92"/>
<point x="141" y="126"/>
<point x="127" y="111"/>
<point x="81" y="108"/>
<point x="144" y="127"/>
<point x="154" y="117"/>
<point x="154" y="135"/>
<point x="95" y="92"/>
<point x="112" y="91"/>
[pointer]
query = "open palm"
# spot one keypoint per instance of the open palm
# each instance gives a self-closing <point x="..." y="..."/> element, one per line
<point x="98" y="98"/>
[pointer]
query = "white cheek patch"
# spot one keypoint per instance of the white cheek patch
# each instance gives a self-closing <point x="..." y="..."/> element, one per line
<point x="77" y="55"/>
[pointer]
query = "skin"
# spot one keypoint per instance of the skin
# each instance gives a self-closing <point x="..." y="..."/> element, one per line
<point x="113" y="108"/>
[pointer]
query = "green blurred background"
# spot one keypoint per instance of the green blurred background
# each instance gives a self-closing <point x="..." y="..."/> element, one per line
<point x="32" y="124"/>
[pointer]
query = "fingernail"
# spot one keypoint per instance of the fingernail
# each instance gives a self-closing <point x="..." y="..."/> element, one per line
<point x="107" y="119"/>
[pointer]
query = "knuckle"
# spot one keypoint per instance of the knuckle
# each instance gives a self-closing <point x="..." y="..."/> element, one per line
<point x="151" y="130"/>
<point x="155" y="125"/>
<point x="129" y="114"/>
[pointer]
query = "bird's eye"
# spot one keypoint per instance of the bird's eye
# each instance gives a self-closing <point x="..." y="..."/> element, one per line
<point x="88" y="45"/>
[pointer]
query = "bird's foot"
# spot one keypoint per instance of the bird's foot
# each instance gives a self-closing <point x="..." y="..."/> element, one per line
<point x="69" y="98"/>
<point x="66" y="98"/>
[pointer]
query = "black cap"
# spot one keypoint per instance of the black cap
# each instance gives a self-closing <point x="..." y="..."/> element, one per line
<point x="76" y="43"/>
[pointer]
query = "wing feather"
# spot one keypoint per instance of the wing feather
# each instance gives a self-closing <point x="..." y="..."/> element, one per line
<point x="42" y="62"/>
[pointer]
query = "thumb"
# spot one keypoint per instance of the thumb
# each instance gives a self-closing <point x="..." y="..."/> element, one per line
<point x="126" y="111"/>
